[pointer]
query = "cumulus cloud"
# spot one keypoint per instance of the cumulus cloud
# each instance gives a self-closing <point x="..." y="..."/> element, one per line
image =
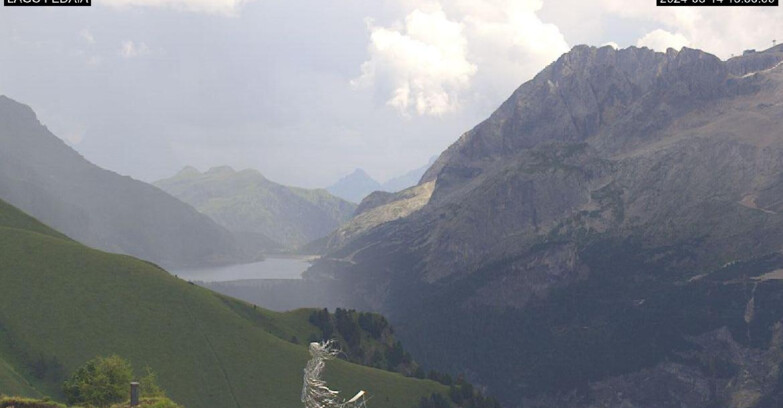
<point x="224" y="7"/>
<point x="660" y="40"/>
<point x="444" y="53"/>
<point x="130" y="49"/>
<point x="423" y="64"/>
<point x="508" y="42"/>
<point x="714" y="29"/>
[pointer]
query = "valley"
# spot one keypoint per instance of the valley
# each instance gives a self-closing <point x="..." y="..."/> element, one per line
<point x="207" y="349"/>
<point x="605" y="232"/>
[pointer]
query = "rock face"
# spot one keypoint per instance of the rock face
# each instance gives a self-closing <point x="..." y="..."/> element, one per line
<point x="753" y="62"/>
<point x="379" y="208"/>
<point x="267" y="215"/>
<point x="47" y="179"/>
<point x="603" y="227"/>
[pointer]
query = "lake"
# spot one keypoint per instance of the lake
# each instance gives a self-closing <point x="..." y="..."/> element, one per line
<point x="271" y="268"/>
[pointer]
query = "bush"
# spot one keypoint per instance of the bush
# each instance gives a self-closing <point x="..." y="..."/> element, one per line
<point x="104" y="381"/>
<point x="100" y="382"/>
<point x="148" y="385"/>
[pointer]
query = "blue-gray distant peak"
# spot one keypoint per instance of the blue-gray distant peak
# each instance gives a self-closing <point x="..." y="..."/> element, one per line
<point x="355" y="186"/>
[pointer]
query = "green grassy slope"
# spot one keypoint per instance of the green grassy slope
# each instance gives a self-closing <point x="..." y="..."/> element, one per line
<point x="12" y="383"/>
<point x="11" y="217"/>
<point x="62" y="303"/>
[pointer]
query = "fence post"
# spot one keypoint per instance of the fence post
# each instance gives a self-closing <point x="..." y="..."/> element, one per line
<point x="134" y="396"/>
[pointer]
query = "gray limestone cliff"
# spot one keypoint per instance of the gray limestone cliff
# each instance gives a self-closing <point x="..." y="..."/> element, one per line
<point x="601" y="228"/>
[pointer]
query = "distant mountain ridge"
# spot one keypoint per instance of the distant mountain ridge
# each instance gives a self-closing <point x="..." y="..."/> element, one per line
<point x="358" y="185"/>
<point x="355" y="186"/>
<point x="270" y="216"/>
<point x="41" y="175"/>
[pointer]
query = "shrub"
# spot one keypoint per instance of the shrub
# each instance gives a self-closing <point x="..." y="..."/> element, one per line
<point x="103" y="381"/>
<point x="149" y="385"/>
<point x="100" y="382"/>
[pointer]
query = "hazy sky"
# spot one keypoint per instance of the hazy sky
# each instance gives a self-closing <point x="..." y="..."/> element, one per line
<point x="307" y="90"/>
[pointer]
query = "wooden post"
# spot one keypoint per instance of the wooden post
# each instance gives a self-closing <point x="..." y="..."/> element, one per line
<point x="134" y="397"/>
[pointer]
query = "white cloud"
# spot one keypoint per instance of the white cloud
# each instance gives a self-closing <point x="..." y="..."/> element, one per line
<point x="422" y="64"/>
<point x="224" y="7"/>
<point x="130" y="49"/>
<point x="508" y="42"/>
<point x="661" y="40"/>
<point x="720" y="30"/>
<point x="446" y="53"/>
<point x="732" y="32"/>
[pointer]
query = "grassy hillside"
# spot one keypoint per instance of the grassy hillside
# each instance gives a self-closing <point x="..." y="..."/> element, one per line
<point x="43" y="176"/>
<point x="62" y="303"/>
<point x="13" y="383"/>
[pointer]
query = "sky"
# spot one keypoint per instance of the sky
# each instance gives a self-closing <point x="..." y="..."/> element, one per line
<point x="306" y="91"/>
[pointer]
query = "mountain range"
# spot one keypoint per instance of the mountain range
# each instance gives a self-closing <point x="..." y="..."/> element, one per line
<point x="358" y="185"/>
<point x="262" y="214"/>
<point x="609" y="237"/>
<point x="44" y="177"/>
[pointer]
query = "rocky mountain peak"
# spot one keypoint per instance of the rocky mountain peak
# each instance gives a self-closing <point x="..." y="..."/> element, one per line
<point x="752" y="61"/>
<point x="358" y="174"/>
<point x="355" y="186"/>
<point x="610" y="197"/>
<point x="581" y="97"/>
<point x="699" y="73"/>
